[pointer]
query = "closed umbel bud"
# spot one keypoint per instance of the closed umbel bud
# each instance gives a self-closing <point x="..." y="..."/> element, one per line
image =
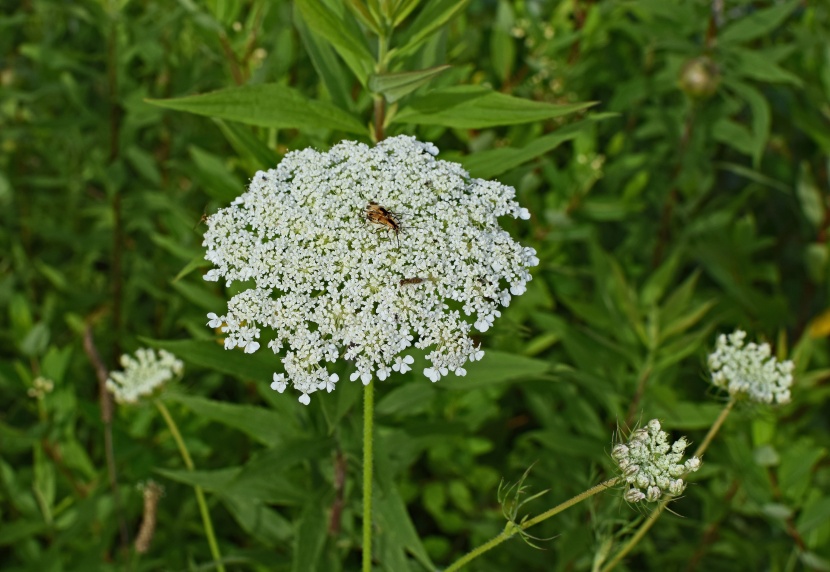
<point x="699" y="78"/>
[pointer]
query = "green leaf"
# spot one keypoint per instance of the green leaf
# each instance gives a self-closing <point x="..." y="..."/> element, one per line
<point x="686" y="321"/>
<point x="797" y="468"/>
<point x="394" y="86"/>
<point x="214" y="176"/>
<point x="430" y="19"/>
<point x="144" y="163"/>
<point x="342" y="33"/>
<point x="22" y="530"/>
<point x="195" y="262"/>
<point x="310" y="537"/>
<point x="43" y="486"/>
<point x="753" y="175"/>
<point x="679" y="348"/>
<point x="809" y="196"/>
<point x="734" y="135"/>
<point x="212" y="355"/>
<point x="502" y="42"/>
<point x="263" y="425"/>
<point x="655" y="286"/>
<point x="263" y="477"/>
<point x="210" y="481"/>
<point x="493" y="369"/>
<point x="493" y="162"/>
<point x="392" y="517"/>
<point x="260" y="521"/>
<point x="402" y="9"/>
<point x="247" y="145"/>
<point x="686" y="415"/>
<point x="757" y="24"/>
<point x="266" y="105"/>
<point x="198" y="295"/>
<point x="761" y="117"/>
<point x="757" y="65"/>
<point x="815" y="514"/>
<point x="477" y="107"/>
<point x="325" y="61"/>
<point x="405" y="400"/>
<point x="172" y="246"/>
<point x="366" y="16"/>
<point x="679" y="300"/>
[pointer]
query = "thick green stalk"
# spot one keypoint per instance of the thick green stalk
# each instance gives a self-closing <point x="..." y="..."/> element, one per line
<point x="200" y="495"/>
<point x="368" y="448"/>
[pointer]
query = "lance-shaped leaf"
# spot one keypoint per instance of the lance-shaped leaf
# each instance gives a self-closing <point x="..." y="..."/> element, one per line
<point x="211" y="355"/>
<point x="266" y="105"/>
<point x="477" y="107"/>
<point x="342" y="32"/>
<point x="757" y="24"/>
<point x="402" y="10"/>
<point x="394" y="86"/>
<point x="368" y="17"/>
<point x="493" y="162"/>
<point x="257" y="154"/>
<point x="435" y="14"/>
<point x="329" y="67"/>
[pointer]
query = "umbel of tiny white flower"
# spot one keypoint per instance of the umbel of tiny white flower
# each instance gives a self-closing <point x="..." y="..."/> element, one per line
<point x="650" y="466"/>
<point x="143" y="374"/>
<point x="749" y="369"/>
<point x="330" y="283"/>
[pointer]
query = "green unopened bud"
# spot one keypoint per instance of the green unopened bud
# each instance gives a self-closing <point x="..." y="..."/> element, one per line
<point x="699" y="78"/>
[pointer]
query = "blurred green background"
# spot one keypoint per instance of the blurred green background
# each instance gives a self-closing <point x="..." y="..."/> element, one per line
<point x="690" y="200"/>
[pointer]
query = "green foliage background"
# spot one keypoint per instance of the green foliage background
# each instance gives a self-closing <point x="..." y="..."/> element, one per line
<point x="690" y="200"/>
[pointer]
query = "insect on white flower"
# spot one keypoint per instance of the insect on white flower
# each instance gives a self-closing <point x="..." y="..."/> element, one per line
<point x="328" y="286"/>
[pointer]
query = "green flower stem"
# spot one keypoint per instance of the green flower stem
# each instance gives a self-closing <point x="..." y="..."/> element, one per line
<point x="200" y="495"/>
<point x="380" y="101"/>
<point x="658" y="510"/>
<point x="368" y="420"/>
<point x="715" y="428"/>
<point x="511" y="529"/>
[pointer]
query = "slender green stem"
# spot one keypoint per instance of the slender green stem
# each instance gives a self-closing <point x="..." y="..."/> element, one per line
<point x="200" y="495"/>
<point x="512" y="529"/>
<point x="368" y="421"/>
<point x="715" y="428"/>
<point x="380" y="102"/>
<point x="658" y="510"/>
<point x="569" y="503"/>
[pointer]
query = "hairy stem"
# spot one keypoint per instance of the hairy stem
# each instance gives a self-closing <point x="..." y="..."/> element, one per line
<point x="368" y="420"/>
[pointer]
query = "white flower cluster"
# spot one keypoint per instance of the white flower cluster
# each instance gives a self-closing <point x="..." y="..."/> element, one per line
<point x="332" y="276"/>
<point x="143" y="374"/>
<point x="750" y="370"/>
<point x="650" y="466"/>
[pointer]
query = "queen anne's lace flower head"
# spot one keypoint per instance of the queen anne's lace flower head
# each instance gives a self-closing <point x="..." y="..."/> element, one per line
<point x="331" y="283"/>
<point x="143" y="374"/>
<point x="650" y="466"/>
<point x="749" y="369"/>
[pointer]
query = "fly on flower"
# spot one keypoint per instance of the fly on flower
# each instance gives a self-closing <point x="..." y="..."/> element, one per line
<point x="411" y="281"/>
<point x="378" y="214"/>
